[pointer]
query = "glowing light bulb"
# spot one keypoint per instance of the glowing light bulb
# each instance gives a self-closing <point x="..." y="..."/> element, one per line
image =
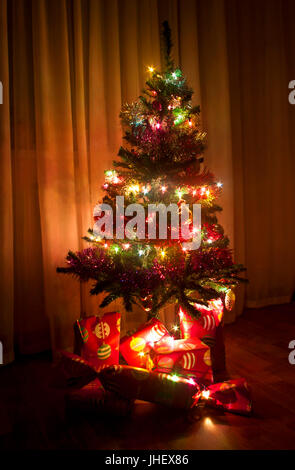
<point x="163" y="254"/>
<point x="174" y="75"/>
<point x="140" y="252"/>
<point x="179" y="193"/>
<point x="151" y="69"/>
<point x="116" y="249"/>
<point x="190" y="123"/>
<point x="106" y="186"/>
<point x="219" y="184"/>
<point x="208" y="192"/>
<point x="163" y="189"/>
<point x="210" y="240"/>
<point x="158" y="125"/>
<point x="126" y="246"/>
<point x="174" y="378"/>
<point x="116" y="180"/>
<point x="203" y="189"/>
<point x="134" y="188"/>
<point x="191" y="381"/>
<point x="169" y="106"/>
<point x="205" y="394"/>
<point x="194" y="192"/>
<point x="175" y="327"/>
<point x="145" y="190"/>
<point x="141" y="354"/>
<point x="105" y="245"/>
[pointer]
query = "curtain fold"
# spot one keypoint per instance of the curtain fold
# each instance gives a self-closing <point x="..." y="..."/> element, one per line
<point x="6" y="220"/>
<point x="67" y="66"/>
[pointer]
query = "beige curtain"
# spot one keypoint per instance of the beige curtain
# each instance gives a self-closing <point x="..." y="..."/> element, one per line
<point x="66" y="69"/>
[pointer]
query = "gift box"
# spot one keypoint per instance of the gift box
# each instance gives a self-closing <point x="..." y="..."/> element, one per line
<point x="205" y="327"/>
<point x="135" y="348"/>
<point x="187" y="357"/>
<point x="136" y="383"/>
<point x="99" y="339"/>
<point x="209" y="328"/>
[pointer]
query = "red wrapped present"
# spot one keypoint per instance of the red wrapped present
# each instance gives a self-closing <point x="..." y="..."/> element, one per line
<point x="93" y="398"/>
<point x="137" y="383"/>
<point x="70" y="370"/>
<point x="209" y="328"/>
<point x="169" y="344"/>
<point x="187" y="357"/>
<point x="99" y="339"/>
<point x="233" y="396"/>
<point x="205" y="327"/>
<point x="135" y="348"/>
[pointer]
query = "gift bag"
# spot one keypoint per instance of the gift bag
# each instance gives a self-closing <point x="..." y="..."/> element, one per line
<point x="99" y="339"/>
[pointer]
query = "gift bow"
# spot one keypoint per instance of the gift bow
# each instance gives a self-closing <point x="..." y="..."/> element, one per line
<point x="233" y="396"/>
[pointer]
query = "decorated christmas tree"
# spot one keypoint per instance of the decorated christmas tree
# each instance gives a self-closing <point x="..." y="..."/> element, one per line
<point x="139" y="242"/>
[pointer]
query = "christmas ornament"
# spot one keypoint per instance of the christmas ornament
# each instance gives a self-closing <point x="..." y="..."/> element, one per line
<point x="104" y="352"/>
<point x="103" y="335"/>
<point x="230" y="300"/>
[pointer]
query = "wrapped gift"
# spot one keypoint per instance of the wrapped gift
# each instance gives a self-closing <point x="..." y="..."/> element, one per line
<point x="208" y="328"/>
<point x="135" y="348"/>
<point x="99" y="339"/>
<point x="136" y="383"/>
<point x="233" y="396"/>
<point x="187" y="357"/>
<point x="71" y="370"/>
<point x="203" y="328"/>
<point x="93" y="398"/>
<point x="170" y="344"/>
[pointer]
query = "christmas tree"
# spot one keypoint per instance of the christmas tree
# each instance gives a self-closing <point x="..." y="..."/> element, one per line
<point x="161" y="166"/>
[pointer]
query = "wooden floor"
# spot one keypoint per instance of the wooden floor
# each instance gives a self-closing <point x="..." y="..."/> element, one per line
<point x="31" y="417"/>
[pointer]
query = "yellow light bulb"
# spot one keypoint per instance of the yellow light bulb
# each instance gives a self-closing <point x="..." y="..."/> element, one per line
<point x="174" y="378"/>
<point x="205" y="394"/>
<point x="151" y="69"/>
